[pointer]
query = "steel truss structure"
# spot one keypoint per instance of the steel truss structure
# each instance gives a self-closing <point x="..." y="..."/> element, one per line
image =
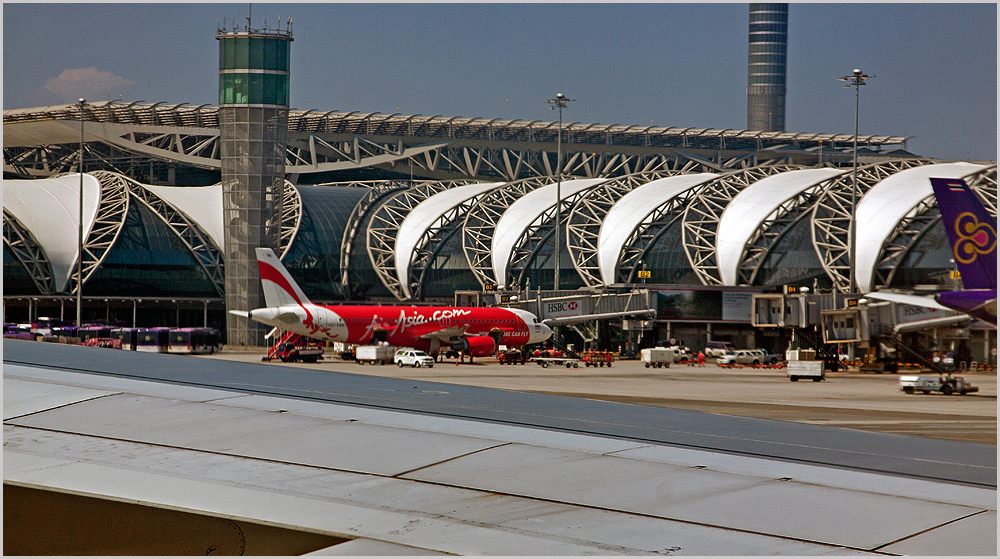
<point x="197" y="242"/>
<point x="429" y="247"/>
<point x="112" y="207"/>
<point x="291" y="217"/>
<point x="135" y="134"/>
<point x="117" y="193"/>
<point x="481" y="222"/>
<point x="925" y="215"/>
<point x="770" y="232"/>
<point x="984" y="184"/>
<point x="831" y="216"/>
<point x="385" y="223"/>
<point x="26" y="249"/>
<point x="583" y="224"/>
<point x="360" y="217"/>
<point x="529" y="245"/>
<point x="700" y="223"/>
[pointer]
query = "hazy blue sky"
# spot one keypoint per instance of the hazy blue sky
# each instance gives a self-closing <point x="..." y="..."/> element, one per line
<point x="669" y="64"/>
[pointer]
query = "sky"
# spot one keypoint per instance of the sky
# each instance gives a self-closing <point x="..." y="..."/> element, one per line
<point x="666" y="64"/>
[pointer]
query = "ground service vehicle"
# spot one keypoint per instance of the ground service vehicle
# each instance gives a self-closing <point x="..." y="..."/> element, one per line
<point x="657" y="356"/>
<point x="947" y="384"/>
<point x="544" y="362"/>
<point x="597" y="358"/>
<point x="717" y="349"/>
<point x="374" y="354"/>
<point x="767" y="357"/>
<point x="806" y="370"/>
<point x="512" y="357"/>
<point x="289" y="352"/>
<point x="413" y="357"/>
<point x="741" y="357"/>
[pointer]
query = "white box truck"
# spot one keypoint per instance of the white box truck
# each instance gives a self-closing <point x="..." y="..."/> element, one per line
<point x="658" y="356"/>
<point x="374" y="354"/>
<point x="806" y="370"/>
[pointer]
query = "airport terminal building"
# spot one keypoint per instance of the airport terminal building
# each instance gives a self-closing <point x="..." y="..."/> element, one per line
<point x="394" y="208"/>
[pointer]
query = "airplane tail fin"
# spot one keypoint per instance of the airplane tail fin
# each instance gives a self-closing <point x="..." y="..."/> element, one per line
<point x="279" y="287"/>
<point x="971" y="232"/>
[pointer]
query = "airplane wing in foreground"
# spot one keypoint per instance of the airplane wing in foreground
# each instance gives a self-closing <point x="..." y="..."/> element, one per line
<point x="447" y="334"/>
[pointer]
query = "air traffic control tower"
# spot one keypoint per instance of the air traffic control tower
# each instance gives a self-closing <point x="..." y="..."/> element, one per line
<point x="253" y="128"/>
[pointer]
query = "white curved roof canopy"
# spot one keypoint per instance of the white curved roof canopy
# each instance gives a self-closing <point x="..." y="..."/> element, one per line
<point x="49" y="209"/>
<point x="888" y="202"/>
<point x="748" y="209"/>
<point x="203" y="204"/>
<point x="631" y="209"/>
<point x="423" y="217"/>
<point x="521" y="214"/>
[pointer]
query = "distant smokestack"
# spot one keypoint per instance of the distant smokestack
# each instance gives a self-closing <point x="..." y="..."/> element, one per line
<point x="767" y="53"/>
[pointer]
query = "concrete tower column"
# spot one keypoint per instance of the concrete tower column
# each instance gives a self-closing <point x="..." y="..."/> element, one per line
<point x="767" y="54"/>
<point x="253" y="130"/>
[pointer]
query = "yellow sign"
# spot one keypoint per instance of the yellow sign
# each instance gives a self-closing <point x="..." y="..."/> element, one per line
<point x="490" y="287"/>
<point x="955" y="274"/>
<point x="645" y="274"/>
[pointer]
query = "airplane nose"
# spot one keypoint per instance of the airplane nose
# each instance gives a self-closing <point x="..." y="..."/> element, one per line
<point x="545" y="332"/>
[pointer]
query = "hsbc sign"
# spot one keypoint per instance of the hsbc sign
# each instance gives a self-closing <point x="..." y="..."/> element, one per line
<point x="561" y="309"/>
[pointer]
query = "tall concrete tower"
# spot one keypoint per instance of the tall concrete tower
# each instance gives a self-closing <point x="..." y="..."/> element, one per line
<point x="253" y="130"/>
<point x="768" y="50"/>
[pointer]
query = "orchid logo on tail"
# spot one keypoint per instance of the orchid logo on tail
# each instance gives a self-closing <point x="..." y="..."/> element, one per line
<point x="974" y="238"/>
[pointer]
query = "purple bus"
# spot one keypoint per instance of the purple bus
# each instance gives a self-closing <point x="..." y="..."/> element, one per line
<point x="194" y="340"/>
<point x="153" y="340"/>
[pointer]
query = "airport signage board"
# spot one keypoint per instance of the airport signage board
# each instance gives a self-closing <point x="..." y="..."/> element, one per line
<point x="704" y="305"/>
<point x="563" y="308"/>
<point x="911" y="313"/>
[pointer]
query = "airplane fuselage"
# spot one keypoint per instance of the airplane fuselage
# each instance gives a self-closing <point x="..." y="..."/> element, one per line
<point x="420" y="327"/>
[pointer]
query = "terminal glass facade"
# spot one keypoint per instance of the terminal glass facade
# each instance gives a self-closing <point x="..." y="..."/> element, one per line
<point x="16" y="280"/>
<point x="314" y="257"/>
<point x="793" y="260"/>
<point x="148" y="259"/>
<point x="666" y="260"/>
<point x="929" y="262"/>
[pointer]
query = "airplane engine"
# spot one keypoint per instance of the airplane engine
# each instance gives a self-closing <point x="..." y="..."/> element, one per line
<point x="476" y="346"/>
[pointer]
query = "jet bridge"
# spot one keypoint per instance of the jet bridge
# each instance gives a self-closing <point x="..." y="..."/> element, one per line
<point x="581" y="310"/>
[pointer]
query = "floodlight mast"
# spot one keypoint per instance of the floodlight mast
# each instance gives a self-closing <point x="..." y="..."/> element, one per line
<point x="79" y="259"/>
<point x="856" y="79"/>
<point x="560" y="103"/>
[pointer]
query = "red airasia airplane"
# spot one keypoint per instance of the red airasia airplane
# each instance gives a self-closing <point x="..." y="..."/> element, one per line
<point x="475" y="331"/>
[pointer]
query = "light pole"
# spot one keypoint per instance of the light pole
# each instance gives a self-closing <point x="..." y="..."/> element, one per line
<point x="79" y="246"/>
<point x="560" y="103"/>
<point x="856" y="79"/>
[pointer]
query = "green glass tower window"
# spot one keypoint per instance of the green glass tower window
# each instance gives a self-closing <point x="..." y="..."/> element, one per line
<point x="253" y="53"/>
<point x="253" y="70"/>
<point x="253" y="89"/>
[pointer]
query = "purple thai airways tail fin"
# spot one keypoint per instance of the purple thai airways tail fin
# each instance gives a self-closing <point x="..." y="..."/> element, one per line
<point x="972" y="233"/>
